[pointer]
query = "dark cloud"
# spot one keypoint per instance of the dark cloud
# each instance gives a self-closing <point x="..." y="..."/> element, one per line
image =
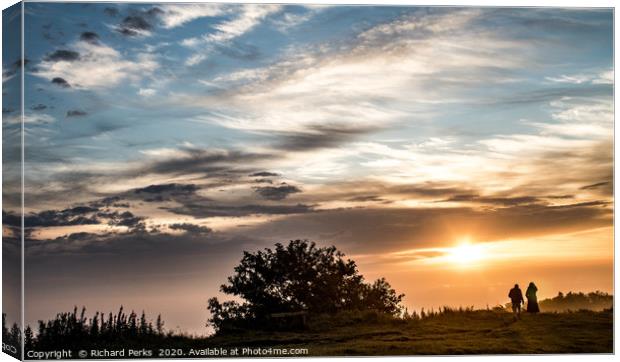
<point x="276" y="192"/>
<point x="76" y="113"/>
<point x="594" y="186"/>
<point x="90" y="214"/>
<point x="63" y="55"/>
<point x="133" y="25"/>
<point x="139" y="22"/>
<point x="210" y="162"/>
<point x="38" y="107"/>
<point x="430" y="190"/>
<point x="367" y="198"/>
<point x="118" y="246"/>
<point x="204" y="210"/>
<point x="114" y="201"/>
<point x="503" y="201"/>
<point x="263" y="181"/>
<point x="320" y="137"/>
<point x="90" y="37"/>
<point x="191" y="228"/>
<point x="167" y="192"/>
<point x="264" y="174"/>
<point x="168" y="188"/>
<point x="7" y="110"/>
<point x="125" y="218"/>
<point x="66" y="217"/>
<point x="61" y="82"/>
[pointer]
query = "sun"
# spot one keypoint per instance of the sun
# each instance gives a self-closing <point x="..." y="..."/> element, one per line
<point x="466" y="253"/>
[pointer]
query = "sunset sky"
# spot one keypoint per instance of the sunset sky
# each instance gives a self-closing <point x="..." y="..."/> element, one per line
<point x="455" y="151"/>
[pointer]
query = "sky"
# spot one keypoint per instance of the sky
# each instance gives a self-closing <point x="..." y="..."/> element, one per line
<point x="454" y="151"/>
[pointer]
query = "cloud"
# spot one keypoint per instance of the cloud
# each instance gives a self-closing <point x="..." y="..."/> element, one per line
<point x="76" y="113"/>
<point x="317" y="137"/>
<point x="90" y="37"/>
<point x="30" y="118"/>
<point x="191" y="228"/>
<point x="94" y="213"/>
<point x="367" y="198"/>
<point x="601" y="77"/>
<point x="38" y="107"/>
<point x="290" y="20"/>
<point x="72" y="216"/>
<point x="125" y="218"/>
<point x="177" y="15"/>
<point x="314" y="91"/>
<point x="263" y="180"/>
<point x="134" y="25"/>
<point x="98" y="67"/>
<point x="61" y="82"/>
<point x="206" y="210"/>
<point x="191" y="160"/>
<point x="63" y="55"/>
<point x="167" y="192"/>
<point x="139" y="23"/>
<point x="276" y="192"/>
<point x="146" y="92"/>
<point x="503" y="201"/>
<point x="264" y="174"/>
<point x="594" y="186"/>
<point x="249" y="16"/>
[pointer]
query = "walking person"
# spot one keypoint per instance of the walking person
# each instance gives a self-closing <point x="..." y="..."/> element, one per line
<point x="532" y="301"/>
<point x="516" y="298"/>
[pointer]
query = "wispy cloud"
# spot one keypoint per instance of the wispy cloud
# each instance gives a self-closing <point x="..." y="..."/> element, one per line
<point x="178" y="15"/>
<point x="603" y="77"/>
<point x="250" y="15"/>
<point x="387" y="74"/>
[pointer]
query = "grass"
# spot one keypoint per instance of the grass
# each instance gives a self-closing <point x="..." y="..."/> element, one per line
<point x="465" y="332"/>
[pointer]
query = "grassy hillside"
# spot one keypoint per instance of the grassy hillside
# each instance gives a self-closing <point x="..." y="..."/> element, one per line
<point x="348" y="333"/>
<point x="470" y="332"/>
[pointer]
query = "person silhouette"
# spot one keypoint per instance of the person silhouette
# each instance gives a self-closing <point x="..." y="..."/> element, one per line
<point x="532" y="301"/>
<point x="516" y="298"/>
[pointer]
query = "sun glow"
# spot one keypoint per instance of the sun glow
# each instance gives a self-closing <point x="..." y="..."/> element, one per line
<point x="466" y="253"/>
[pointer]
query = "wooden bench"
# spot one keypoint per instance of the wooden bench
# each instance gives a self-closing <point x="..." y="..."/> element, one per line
<point x="290" y="319"/>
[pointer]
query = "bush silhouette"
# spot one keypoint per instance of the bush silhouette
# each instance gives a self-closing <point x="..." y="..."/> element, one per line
<point x="298" y="277"/>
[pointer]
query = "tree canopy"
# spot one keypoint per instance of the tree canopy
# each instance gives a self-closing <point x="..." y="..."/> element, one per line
<point x="299" y="276"/>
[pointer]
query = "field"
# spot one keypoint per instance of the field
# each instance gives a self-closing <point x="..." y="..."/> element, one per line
<point x="469" y="332"/>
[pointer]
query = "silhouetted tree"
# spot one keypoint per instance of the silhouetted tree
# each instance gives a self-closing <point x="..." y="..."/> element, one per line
<point x="159" y="325"/>
<point x="298" y="277"/>
<point x="28" y="338"/>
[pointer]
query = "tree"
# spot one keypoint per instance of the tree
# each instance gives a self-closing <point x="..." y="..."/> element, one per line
<point x="298" y="277"/>
<point x="159" y="325"/>
<point x="28" y="339"/>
